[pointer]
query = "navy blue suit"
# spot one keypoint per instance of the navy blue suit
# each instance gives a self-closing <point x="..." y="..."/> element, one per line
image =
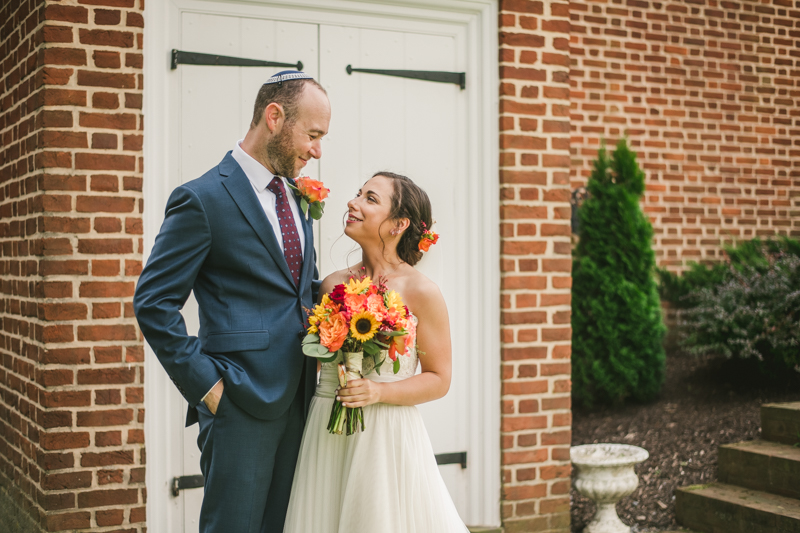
<point x="217" y="241"/>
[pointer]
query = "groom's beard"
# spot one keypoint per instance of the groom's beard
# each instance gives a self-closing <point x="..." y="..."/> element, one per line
<point x="281" y="152"/>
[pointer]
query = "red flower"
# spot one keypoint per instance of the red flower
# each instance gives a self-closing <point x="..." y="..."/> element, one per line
<point x="337" y="295"/>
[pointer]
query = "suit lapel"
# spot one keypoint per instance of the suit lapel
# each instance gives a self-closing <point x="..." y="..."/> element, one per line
<point x="241" y="191"/>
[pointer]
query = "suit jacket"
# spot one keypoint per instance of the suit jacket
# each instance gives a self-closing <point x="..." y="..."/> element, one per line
<point x="217" y="241"/>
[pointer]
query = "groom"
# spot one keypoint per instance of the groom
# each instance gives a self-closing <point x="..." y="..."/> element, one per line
<point x="237" y="238"/>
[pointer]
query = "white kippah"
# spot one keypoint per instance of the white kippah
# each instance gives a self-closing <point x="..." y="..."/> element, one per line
<point x="288" y="75"/>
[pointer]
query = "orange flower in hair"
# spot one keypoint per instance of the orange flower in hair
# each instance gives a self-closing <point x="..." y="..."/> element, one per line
<point x="428" y="239"/>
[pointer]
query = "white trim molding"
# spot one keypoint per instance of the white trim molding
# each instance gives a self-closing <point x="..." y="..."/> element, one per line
<point x="478" y="19"/>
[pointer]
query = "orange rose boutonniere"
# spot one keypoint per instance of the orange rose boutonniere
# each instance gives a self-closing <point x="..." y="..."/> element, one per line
<point x="312" y="193"/>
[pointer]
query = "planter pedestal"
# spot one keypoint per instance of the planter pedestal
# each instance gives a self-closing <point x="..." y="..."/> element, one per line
<point x="605" y="475"/>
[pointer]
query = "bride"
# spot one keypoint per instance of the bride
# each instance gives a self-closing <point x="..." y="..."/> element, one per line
<point x="384" y="479"/>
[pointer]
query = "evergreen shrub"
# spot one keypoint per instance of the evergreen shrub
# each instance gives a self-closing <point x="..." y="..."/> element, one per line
<point x="617" y="351"/>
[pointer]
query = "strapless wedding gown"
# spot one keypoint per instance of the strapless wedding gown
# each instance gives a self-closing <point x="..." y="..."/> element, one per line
<point x="380" y="480"/>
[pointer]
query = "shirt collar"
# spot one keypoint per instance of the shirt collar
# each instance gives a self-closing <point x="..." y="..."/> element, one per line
<point x="257" y="173"/>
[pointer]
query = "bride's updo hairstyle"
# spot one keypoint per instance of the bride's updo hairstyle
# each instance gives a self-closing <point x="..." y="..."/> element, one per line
<point x="411" y="202"/>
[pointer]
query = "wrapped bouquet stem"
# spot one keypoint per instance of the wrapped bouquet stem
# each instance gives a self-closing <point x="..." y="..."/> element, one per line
<point x="347" y="419"/>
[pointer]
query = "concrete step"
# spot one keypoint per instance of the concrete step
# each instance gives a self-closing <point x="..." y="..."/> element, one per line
<point x="720" y="508"/>
<point x="780" y="422"/>
<point x="761" y="465"/>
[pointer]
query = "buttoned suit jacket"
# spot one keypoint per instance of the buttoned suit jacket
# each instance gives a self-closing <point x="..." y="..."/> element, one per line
<point x="216" y="240"/>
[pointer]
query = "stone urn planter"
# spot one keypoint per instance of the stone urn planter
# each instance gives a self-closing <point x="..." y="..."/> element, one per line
<point x="605" y="475"/>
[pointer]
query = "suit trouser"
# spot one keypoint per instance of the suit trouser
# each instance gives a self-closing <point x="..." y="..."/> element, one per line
<point x="248" y="465"/>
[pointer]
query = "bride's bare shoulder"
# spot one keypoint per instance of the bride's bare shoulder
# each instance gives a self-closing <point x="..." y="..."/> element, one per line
<point x="422" y="293"/>
<point x="335" y="278"/>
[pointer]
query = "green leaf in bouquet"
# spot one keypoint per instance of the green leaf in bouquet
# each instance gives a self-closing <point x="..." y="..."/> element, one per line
<point x="371" y="348"/>
<point x="330" y="359"/>
<point x="316" y="210"/>
<point x="311" y="350"/>
<point x="394" y="333"/>
<point x="304" y="205"/>
<point x="378" y="365"/>
<point x="311" y="338"/>
<point x="319" y="351"/>
<point x="396" y="366"/>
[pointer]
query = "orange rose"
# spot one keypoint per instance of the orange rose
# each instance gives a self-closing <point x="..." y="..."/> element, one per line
<point x="401" y="343"/>
<point x="333" y="332"/>
<point x="313" y="190"/>
<point x="428" y="239"/>
<point x="355" y="302"/>
<point x="375" y="306"/>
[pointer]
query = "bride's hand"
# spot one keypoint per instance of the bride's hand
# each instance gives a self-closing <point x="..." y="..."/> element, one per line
<point x="360" y="392"/>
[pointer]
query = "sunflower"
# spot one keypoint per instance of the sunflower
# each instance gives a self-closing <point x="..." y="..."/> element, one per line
<point x="355" y="286"/>
<point x="363" y="326"/>
<point x="394" y="301"/>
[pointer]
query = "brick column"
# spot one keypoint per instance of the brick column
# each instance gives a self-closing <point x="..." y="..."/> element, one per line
<point x="536" y="264"/>
<point x="70" y="197"/>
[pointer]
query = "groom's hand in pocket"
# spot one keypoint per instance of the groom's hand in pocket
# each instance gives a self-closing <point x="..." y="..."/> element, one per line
<point x="213" y="397"/>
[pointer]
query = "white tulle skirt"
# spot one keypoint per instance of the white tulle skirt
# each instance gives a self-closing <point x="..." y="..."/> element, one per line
<point x="382" y="480"/>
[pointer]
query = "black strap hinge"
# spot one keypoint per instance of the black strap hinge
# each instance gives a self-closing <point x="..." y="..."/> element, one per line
<point x="458" y="78"/>
<point x="196" y="482"/>
<point x="186" y="482"/>
<point x="458" y="458"/>
<point x="179" y="57"/>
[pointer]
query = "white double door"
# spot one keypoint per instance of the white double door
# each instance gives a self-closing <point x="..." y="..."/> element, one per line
<point x="411" y="127"/>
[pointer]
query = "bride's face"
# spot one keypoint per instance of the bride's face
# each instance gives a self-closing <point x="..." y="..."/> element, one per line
<point x="368" y="213"/>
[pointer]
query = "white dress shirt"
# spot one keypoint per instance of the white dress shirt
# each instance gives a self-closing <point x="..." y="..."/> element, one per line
<point x="260" y="178"/>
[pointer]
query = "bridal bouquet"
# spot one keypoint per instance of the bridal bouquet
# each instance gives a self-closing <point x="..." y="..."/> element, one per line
<point x="358" y="320"/>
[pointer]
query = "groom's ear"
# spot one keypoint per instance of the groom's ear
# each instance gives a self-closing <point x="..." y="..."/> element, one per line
<point x="273" y="116"/>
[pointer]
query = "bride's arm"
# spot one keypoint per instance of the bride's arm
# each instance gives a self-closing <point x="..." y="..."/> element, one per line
<point x="433" y="339"/>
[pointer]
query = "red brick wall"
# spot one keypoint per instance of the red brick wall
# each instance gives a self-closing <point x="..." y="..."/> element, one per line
<point x="535" y="264"/>
<point x="71" y="401"/>
<point x="709" y="94"/>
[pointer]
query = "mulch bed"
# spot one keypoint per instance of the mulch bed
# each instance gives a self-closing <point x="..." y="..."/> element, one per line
<point x="705" y="402"/>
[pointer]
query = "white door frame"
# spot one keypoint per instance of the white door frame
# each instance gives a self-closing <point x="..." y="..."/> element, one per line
<point x="479" y="19"/>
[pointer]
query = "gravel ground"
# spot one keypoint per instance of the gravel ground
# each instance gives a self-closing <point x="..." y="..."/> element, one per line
<point x="705" y="402"/>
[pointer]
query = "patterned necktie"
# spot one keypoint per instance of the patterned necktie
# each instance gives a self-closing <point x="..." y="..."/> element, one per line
<point x="291" y="239"/>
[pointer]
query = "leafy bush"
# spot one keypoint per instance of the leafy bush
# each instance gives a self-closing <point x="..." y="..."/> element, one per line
<point x="753" y="314"/>
<point x="755" y="254"/>
<point x="616" y="314"/>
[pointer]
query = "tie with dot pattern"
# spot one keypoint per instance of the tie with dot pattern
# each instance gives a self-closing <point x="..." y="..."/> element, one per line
<point x="291" y="239"/>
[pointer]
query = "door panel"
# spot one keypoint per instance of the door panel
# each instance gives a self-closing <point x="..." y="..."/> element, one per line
<point x="216" y="110"/>
<point x="414" y="128"/>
